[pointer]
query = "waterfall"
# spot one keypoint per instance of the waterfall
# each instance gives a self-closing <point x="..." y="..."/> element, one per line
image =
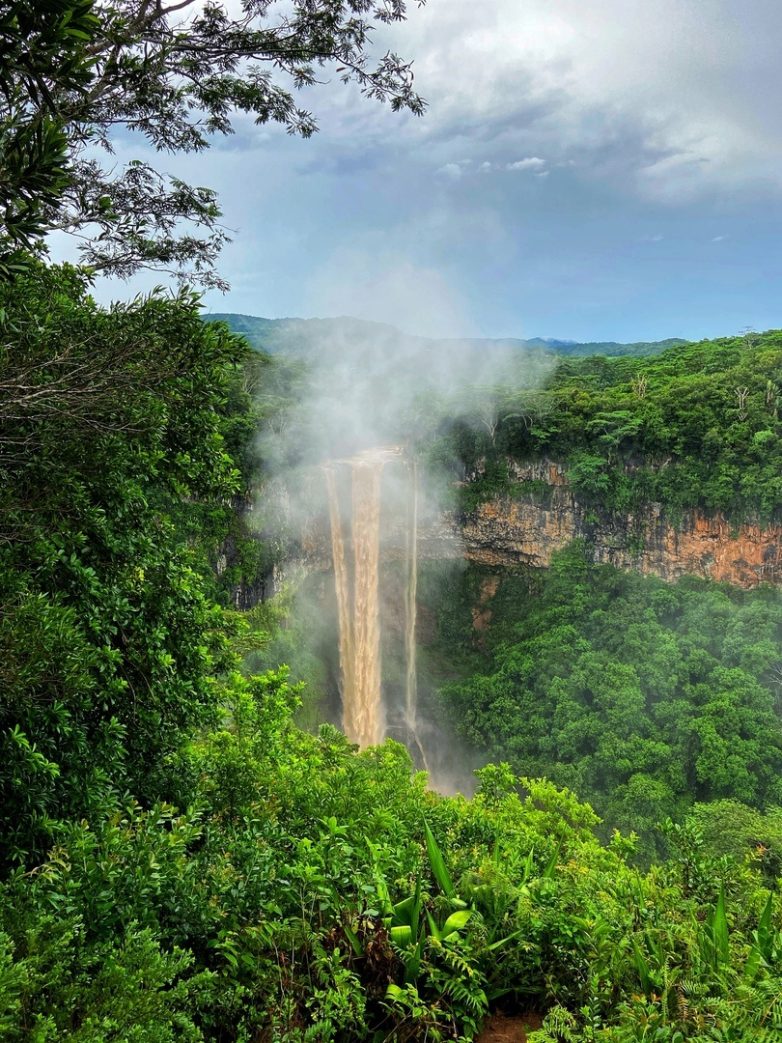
<point x="358" y="598"/>
<point x="358" y="608"/>
<point x="411" y="591"/>
<point x="364" y="720"/>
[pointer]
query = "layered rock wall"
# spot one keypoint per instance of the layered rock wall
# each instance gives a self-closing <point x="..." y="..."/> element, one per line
<point x="544" y="515"/>
<point x="529" y="527"/>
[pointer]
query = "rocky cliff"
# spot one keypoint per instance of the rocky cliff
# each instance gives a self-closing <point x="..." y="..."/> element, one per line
<point x="530" y="525"/>
<point x="541" y="516"/>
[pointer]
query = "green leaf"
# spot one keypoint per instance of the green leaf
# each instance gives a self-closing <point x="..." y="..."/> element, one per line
<point x="719" y="930"/>
<point x="352" y="937"/>
<point x="762" y="949"/>
<point x="455" y="922"/>
<point x="415" y="911"/>
<point x="551" y="866"/>
<point x="402" y="935"/>
<point x="643" y="969"/>
<point x="434" y="930"/>
<point x="413" y="962"/>
<point x="437" y="863"/>
<point x="502" y="941"/>
<point x="402" y="910"/>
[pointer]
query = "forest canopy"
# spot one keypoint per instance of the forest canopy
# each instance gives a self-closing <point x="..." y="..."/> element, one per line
<point x="696" y="426"/>
<point x="643" y="697"/>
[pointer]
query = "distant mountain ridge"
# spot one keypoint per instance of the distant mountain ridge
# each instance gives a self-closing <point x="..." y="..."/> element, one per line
<point x="293" y="336"/>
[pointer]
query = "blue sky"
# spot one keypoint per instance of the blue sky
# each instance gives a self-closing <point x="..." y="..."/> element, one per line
<point x="587" y="169"/>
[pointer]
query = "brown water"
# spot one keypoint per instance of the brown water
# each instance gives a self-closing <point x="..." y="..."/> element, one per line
<point x="358" y="596"/>
<point x="364" y="720"/>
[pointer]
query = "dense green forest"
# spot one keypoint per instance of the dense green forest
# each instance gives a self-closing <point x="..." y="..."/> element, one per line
<point x="641" y="696"/>
<point x="183" y="862"/>
<point x="697" y="426"/>
<point x="180" y="859"/>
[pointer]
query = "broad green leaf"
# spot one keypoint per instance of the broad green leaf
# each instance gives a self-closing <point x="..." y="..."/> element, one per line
<point x="720" y="929"/>
<point x="434" y="930"/>
<point x="455" y="922"/>
<point x="402" y="910"/>
<point x="548" y="872"/>
<point x="437" y="862"/>
<point x="402" y="935"/>
<point x="352" y="937"/>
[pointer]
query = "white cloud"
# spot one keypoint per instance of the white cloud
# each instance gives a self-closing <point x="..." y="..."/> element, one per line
<point x="672" y="100"/>
<point x="718" y="238"/>
<point x="530" y="163"/>
<point x="450" y="170"/>
<point x="680" y="95"/>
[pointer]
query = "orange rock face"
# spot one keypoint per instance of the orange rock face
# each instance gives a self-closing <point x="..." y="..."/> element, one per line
<point x="508" y="531"/>
<point x="528" y="527"/>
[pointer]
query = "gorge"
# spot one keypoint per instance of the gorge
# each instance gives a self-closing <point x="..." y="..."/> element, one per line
<point x="542" y="514"/>
<point x="559" y="565"/>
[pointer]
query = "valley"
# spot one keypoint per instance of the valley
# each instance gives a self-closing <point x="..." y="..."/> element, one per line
<point x="393" y="675"/>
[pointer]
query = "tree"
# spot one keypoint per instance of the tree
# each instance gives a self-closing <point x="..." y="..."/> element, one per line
<point x="40" y="41"/>
<point x="107" y="486"/>
<point x="77" y="71"/>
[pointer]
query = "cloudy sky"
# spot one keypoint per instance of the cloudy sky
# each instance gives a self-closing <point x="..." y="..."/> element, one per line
<point x="586" y="169"/>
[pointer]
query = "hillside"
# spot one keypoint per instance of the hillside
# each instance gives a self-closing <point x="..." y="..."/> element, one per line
<point x="181" y="861"/>
<point x="694" y="427"/>
<point x="284" y="336"/>
<point x="358" y="686"/>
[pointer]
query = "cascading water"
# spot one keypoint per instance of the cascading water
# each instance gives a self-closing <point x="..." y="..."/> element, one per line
<point x="411" y="593"/>
<point x="365" y="718"/>
<point x="358" y="608"/>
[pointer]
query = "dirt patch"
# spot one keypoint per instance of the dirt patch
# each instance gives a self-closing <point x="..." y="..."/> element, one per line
<point x="482" y="612"/>
<point x="514" y="1029"/>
